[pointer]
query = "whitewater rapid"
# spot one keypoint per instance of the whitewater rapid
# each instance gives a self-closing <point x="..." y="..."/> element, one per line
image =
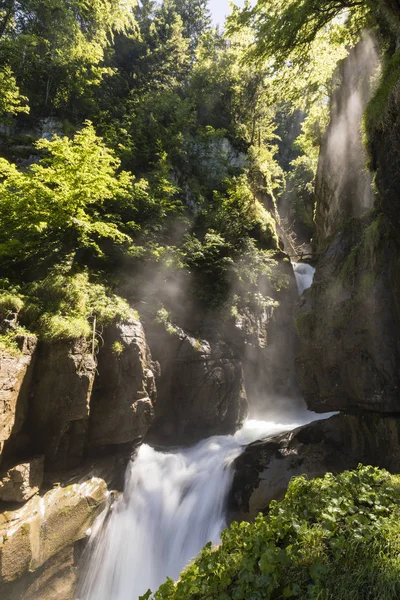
<point x="304" y="274"/>
<point x="172" y="505"/>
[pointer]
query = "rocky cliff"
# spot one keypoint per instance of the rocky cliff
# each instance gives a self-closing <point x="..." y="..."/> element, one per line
<point x="349" y="320"/>
<point x="62" y="408"/>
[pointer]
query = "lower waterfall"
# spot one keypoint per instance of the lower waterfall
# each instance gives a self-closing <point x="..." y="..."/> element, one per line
<point x="173" y="504"/>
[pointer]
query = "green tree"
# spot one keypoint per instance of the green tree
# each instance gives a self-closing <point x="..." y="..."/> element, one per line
<point x="57" y="205"/>
<point x="11" y="100"/>
<point x="56" y="48"/>
<point x="196" y="18"/>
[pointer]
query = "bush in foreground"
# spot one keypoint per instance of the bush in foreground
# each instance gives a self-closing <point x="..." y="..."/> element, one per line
<point x="330" y="539"/>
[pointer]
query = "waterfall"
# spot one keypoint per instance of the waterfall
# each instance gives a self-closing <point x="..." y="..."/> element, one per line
<point x="172" y="505"/>
<point x="304" y="274"/>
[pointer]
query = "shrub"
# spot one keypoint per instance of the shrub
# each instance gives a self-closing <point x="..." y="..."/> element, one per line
<point x="333" y="538"/>
<point x="63" y="305"/>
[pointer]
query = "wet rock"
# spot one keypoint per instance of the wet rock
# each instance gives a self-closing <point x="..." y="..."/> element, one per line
<point x="22" y="481"/>
<point x="45" y="528"/>
<point x="124" y="393"/>
<point x="263" y="471"/>
<point x="201" y="388"/>
<point x="60" y="403"/>
<point x="15" y="378"/>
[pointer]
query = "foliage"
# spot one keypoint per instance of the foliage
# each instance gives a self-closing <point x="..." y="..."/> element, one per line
<point x="176" y="168"/>
<point x="11" y="100"/>
<point x="376" y="113"/>
<point x="63" y="304"/>
<point x="117" y="348"/>
<point x="288" y="29"/>
<point x="300" y="185"/>
<point x="230" y="251"/>
<point x="327" y="537"/>
<point x="56" y="48"/>
<point x="58" y="203"/>
<point x="237" y="213"/>
<point x="10" y="303"/>
<point x="8" y="344"/>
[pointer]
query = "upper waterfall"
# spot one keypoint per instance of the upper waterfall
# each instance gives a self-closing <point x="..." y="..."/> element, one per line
<point x="304" y="274"/>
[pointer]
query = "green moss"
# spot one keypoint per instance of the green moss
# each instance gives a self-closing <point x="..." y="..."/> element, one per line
<point x="364" y="253"/>
<point x="375" y="118"/>
<point x="367" y="282"/>
<point x="372" y="236"/>
<point x="349" y="268"/>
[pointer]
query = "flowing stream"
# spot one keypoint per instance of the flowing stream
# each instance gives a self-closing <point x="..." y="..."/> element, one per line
<point x="173" y="504"/>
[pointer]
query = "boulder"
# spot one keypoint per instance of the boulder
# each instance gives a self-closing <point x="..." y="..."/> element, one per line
<point x="60" y="403"/>
<point x="40" y="538"/>
<point x="263" y="471"/>
<point x="22" y="481"/>
<point x="56" y="579"/>
<point x="15" y="378"/>
<point x="122" y="406"/>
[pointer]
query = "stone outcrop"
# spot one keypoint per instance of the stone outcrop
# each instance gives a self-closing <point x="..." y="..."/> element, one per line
<point x="22" y="481"/>
<point x="60" y="403"/>
<point x="37" y="542"/>
<point x="48" y="405"/>
<point x="263" y="471"/>
<point x="201" y="388"/>
<point x="122" y="405"/>
<point x="15" y="377"/>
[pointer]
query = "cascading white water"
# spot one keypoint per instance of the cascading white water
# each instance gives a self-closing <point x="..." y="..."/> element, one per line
<point x="304" y="274"/>
<point x="172" y="505"/>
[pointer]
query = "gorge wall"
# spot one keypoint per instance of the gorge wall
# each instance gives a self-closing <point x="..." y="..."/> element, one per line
<point x="348" y="322"/>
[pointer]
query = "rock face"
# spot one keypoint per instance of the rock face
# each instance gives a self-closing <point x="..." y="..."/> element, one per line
<point x="201" y="388"/>
<point x="263" y="471"/>
<point x="343" y="185"/>
<point x="60" y="404"/>
<point x="348" y="323"/>
<point x="47" y="408"/>
<point x="37" y="541"/>
<point x="124" y="394"/>
<point x="15" y="378"/>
